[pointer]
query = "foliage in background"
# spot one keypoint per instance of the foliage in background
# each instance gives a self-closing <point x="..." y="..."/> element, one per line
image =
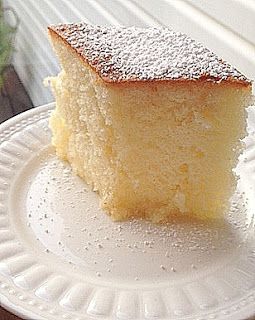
<point x="7" y="33"/>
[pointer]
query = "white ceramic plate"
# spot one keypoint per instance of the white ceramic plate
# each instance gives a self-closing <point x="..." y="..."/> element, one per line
<point x="61" y="257"/>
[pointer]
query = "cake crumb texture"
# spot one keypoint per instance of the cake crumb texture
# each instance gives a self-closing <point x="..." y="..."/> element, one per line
<point x="149" y="149"/>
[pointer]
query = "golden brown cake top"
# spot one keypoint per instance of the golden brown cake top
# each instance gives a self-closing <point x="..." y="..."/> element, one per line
<point x="121" y="54"/>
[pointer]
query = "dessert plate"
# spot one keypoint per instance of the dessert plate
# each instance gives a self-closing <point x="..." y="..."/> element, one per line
<point x="61" y="257"/>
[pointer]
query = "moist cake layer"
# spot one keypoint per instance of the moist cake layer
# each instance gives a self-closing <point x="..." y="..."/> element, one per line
<point x="150" y="148"/>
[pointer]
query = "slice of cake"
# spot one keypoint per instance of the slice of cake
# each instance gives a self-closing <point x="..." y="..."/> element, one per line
<point x="149" y="118"/>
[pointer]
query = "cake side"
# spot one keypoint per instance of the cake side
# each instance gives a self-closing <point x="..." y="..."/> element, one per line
<point x="132" y="54"/>
<point x="149" y="149"/>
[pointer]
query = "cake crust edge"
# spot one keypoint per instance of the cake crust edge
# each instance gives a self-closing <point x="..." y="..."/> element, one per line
<point x="55" y="36"/>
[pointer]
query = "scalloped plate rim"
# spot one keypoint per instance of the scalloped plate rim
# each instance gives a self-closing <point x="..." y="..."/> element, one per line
<point x="246" y="312"/>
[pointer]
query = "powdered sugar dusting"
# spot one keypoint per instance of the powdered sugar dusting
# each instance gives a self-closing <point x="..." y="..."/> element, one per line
<point x="122" y="54"/>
